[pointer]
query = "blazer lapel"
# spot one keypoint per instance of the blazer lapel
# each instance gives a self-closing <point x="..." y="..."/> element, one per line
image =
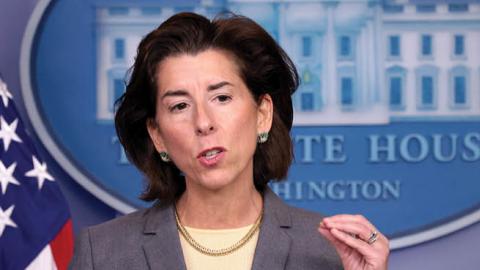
<point x="273" y="243"/>
<point x="162" y="247"/>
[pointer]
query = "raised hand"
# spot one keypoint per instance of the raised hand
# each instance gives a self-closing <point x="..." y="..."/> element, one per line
<point x="358" y="243"/>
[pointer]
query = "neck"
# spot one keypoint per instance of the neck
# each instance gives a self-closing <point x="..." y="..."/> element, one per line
<point x="225" y="208"/>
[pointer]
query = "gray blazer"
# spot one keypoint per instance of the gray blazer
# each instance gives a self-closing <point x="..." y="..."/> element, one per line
<point x="148" y="239"/>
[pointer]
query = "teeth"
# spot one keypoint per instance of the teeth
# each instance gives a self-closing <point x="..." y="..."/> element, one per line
<point x="211" y="154"/>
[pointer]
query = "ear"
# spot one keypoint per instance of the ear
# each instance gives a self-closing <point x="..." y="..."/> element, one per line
<point x="154" y="133"/>
<point x="265" y="114"/>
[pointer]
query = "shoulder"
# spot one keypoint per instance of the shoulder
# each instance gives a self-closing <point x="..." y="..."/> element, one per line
<point x="115" y="232"/>
<point x="123" y="225"/>
<point x="115" y="244"/>
<point x="130" y="229"/>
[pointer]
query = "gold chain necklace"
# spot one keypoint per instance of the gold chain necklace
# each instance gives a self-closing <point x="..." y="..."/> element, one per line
<point x="222" y="251"/>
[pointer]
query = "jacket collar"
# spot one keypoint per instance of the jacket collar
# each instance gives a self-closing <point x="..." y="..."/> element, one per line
<point x="163" y="249"/>
<point x="273" y="243"/>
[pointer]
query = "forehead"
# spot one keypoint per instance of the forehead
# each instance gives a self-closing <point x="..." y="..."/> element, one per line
<point x="205" y="66"/>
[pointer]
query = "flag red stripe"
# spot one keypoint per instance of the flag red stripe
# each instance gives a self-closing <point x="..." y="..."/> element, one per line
<point x="62" y="246"/>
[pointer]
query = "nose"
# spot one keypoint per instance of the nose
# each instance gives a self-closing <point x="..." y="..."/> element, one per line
<point x="205" y="123"/>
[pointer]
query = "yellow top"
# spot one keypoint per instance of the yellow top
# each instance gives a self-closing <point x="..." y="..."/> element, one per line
<point x="241" y="259"/>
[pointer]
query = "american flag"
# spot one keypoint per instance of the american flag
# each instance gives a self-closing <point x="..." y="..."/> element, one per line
<point x="35" y="224"/>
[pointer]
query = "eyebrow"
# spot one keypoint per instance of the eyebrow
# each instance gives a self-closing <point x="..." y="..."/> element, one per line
<point x="173" y="93"/>
<point x="218" y="85"/>
<point x="182" y="92"/>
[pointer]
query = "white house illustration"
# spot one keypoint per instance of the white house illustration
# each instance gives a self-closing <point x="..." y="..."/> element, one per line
<point x="360" y="61"/>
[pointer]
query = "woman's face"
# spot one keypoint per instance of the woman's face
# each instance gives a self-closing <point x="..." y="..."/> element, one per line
<point x="207" y="120"/>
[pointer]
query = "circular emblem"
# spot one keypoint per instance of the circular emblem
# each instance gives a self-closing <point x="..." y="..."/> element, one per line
<point x="379" y="129"/>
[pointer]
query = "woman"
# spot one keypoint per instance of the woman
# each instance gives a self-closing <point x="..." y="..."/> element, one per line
<point x="206" y="117"/>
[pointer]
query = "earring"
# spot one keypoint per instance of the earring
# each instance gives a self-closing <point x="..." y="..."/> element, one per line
<point x="262" y="137"/>
<point x="164" y="156"/>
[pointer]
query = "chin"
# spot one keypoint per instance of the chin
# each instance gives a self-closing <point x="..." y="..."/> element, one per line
<point x="214" y="182"/>
<point x="215" y="185"/>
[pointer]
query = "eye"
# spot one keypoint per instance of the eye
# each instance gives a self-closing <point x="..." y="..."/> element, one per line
<point x="178" y="107"/>
<point x="224" y="98"/>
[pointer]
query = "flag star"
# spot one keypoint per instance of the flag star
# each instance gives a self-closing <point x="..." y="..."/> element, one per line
<point x="6" y="176"/>
<point x="40" y="172"/>
<point x="5" y="219"/>
<point x="7" y="132"/>
<point x="4" y="93"/>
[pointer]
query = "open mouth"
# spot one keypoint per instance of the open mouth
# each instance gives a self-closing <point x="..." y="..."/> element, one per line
<point x="211" y="156"/>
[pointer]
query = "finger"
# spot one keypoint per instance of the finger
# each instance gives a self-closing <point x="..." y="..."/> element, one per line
<point x="356" y="219"/>
<point x="352" y="228"/>
<point x="323" y="225"/>
<point x="363" y="233"/>
<point x="349" y="218"/>
<point x="360" y="246"/>
<point x="328" y="235"/>
<point x="339" y="245"/>
<point x="359" y="221"/>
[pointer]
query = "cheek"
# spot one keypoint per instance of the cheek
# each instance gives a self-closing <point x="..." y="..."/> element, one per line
<point x="248" y="122"/>
<point x="245" y="112"/>
<point x="245" y="130"/>
<point x="175" y="140"/>
<point x="248" y="129"/>
<point x="180" y="153"/>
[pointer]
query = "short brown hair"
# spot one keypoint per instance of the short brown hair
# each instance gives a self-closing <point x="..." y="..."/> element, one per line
<point x="264" y="67"/>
